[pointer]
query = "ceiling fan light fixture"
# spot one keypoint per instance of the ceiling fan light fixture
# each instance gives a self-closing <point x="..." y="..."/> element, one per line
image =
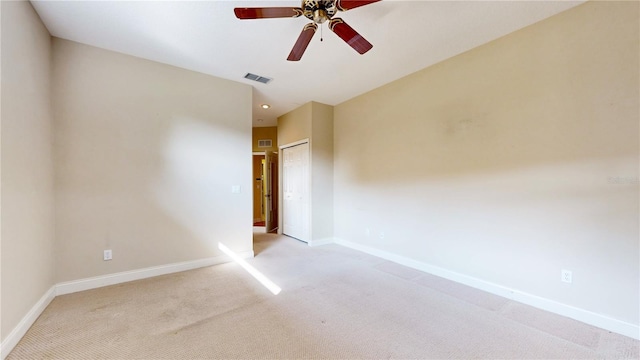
<point x="320" y="16"/>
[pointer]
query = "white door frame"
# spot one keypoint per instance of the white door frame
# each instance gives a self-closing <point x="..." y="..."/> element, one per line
<point x="280" y="192"/>
<point x="269" y="199"/>
<point x="255" y="153"/>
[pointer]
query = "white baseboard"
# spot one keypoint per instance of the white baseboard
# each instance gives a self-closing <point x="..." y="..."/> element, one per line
<point x="321" y="242"/>
<point x="23" y="326"/>
<point x="585" y="316"/>
<point x="69" y="287"/>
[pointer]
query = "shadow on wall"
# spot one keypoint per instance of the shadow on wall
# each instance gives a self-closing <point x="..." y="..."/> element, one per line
<point x="145" y="162"/>
<point x="164" y="192"/>
<point x="403" y="141"/>
<point x="564" y="91"/>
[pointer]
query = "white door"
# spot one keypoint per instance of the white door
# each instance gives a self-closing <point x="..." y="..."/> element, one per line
<point x="295" y="191"/>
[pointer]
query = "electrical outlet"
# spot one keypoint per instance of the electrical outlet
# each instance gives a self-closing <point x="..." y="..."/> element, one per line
<point x="566" y="276"/>
<point x="108" y="255"/>
<point x="381" y="235"/>
<point x="367" y="231"/>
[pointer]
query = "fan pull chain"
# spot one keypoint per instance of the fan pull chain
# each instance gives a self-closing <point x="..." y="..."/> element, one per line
<point x="321" y="26"/>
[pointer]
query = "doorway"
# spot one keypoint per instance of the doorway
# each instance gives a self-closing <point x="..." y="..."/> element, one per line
<point x="295" y="191"/>
<point x="265" y="191"/>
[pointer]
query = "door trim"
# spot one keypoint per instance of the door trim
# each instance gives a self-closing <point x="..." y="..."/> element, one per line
<point x="296" y="143"/>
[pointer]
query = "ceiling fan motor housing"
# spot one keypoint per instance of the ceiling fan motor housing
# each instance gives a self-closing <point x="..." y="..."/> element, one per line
<point x="319" y="10"/>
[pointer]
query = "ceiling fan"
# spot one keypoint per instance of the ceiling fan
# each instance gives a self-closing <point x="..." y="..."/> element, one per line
<point x="319" y="11"/>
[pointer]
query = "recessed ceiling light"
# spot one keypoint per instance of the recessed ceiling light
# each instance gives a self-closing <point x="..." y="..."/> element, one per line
<point x="265" y="106"/>
<point x="260" y="120"/>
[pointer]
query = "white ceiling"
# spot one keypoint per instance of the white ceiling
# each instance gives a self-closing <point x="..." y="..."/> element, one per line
<point x="205" y="36"/>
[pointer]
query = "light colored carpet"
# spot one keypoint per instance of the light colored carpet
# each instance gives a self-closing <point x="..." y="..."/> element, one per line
<point x="335" y="303"/>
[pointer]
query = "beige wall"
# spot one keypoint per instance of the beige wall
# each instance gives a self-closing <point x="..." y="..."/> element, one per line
<point x="265" y="133"/>
<point x="146" y="157"/>
<point x="314" y="121"/>
<point x="295" y="125"/>
<point x="321" y="171"/>
<point x="509" y="162"/>
<point x="27" y="165"/>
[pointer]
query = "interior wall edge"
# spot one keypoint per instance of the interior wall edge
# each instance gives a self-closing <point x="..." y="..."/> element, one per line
<point x="14" y="337"/>
<point x="582" y="315"/>
<point x="323" y="241"/>
<point x="69" y="287"/>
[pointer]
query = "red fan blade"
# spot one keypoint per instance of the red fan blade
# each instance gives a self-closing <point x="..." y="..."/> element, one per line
<point x="303" y="41"/>
<point x="267" y="12"/>
<point x="350" y="36"/>
<point x="344" y="5"/>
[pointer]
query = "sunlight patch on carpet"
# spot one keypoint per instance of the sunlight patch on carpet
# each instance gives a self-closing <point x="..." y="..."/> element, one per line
<point x="275" y="289"/>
